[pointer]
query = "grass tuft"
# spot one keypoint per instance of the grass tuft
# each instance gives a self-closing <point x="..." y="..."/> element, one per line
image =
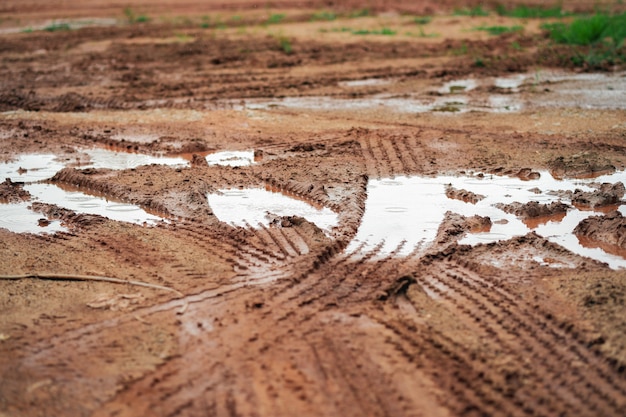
<point x="590" y="30"/>
<point x="599" y="38"/>
<point x="383" y="31"/>
<point x="500" y="30"/>
<point x="422" y="20"/>
<point x="57" y="27"/>
<point x="275" y="18"/>
<point x="323" y="16"/>
<point x="527" y="12"/>
<point x="474" y="11"/>
<point x="133" y="18"/>
<point x="359" y="13"/>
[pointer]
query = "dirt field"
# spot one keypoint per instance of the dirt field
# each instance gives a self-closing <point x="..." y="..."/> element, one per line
<point x="396" y="312"/>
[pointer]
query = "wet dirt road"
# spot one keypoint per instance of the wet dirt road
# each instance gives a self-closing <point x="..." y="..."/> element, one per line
<point x="305" y="214"/>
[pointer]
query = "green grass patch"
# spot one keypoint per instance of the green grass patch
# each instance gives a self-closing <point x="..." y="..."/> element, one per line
<point x="383" y="31"/>
<point x="323" y="16"/>
<point x="590" y="30"/>
<point x="363" y="32"/>
<point x="528" y="12"/>
<point x="359" y="13"/>
<point x="500" y="30"/>
<point x="57" y="27"/>
<point x="598" y="40"/>
<point x="474" y="11"/>
<point x="134" y="18"/>
<point x="275" y="18"/>
<point x="422" y="20"/>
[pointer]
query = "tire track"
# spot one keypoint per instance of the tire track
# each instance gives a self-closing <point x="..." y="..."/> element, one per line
<point x="546" y="321"/>
<point x="494" y="316"/>
<point x="458" y="377"/>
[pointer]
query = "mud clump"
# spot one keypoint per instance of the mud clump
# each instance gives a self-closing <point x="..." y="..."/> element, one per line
<point x="463" y="195"/>
<point x="527" y="174"/>
<point x="68" y="217"/>
<point x="12" y="192"/>
<point x="609" y="229"/>
<point x="287" y="221"/>
<point x="534" y="209"/>
<point x="454" y="226"/>
<point x="607" y="195"/>
<point x="580" y="166"/>
<point x="308" y="147"/>
<point x="198" y="161"/>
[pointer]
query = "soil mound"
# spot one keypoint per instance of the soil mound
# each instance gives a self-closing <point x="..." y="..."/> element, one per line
<point x="534" y="209"/>
<point x="609" y="229"/>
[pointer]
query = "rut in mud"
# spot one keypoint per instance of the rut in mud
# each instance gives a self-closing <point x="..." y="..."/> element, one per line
<point x="329" y="219"/>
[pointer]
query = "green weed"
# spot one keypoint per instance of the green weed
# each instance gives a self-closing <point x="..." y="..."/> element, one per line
<point x="500" y="30"/>
<point x="590" y="30"/>
<point x="285" y="45"/>
<point x="383" y="31"/>
<point x="422" y="20"/>
<point x="526" y="12"/>
<point x="133" y="18"/>
<point x="56" y="27"/>
<point x="474" y="11"/>
<point x="359" y="13"/>
<point x="423" y="34"/>
<point x="600" y="38"/>
<point x="275" y="18"/>
<point x="323" y="16"/>
<point x="462" y="50"/>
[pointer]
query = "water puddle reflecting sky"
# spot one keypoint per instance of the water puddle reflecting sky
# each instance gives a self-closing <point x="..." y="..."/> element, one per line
<point x="402" y="209"/>
<point x="30" y="169"/>
<point x="254" y="206"/>
<point x="18" y="218"/>
<point x="559" y="89"/>
<point x="101" y="158"/>
<point x="81" y="202"/>
<point x="233" y="159"/>
<point x="411" y="209"/>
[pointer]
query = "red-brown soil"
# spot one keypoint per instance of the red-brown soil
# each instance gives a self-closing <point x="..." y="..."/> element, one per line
<point x="282" y="320"/>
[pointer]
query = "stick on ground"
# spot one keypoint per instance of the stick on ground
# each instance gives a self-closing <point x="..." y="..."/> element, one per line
<point x="71" y="277"/>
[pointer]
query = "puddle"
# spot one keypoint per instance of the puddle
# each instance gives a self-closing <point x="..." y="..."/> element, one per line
<point x="458" y="86"/>
<point x="368" y="82"/>
<point x="411" y="209"/>
<point x="70" y="24"/>
<point x="18" y="218"/>
<point x="591" y="91"/>
<point x="31" y="168"/>
<point x="76" y="200"/>
<point x="231" y="158"/>
<point x="409" y="104"/>
<point x="253" y="206"/>
<point x="512" y="83"/>
<point x="119" y="160"/>
<point x="586" y="91"/>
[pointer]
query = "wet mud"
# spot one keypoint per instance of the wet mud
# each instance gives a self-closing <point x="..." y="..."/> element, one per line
<point x="301" y="213"/>
<point x="609" y="229"/>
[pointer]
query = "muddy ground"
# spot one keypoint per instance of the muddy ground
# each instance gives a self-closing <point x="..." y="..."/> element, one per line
<point x="283" y="320"/>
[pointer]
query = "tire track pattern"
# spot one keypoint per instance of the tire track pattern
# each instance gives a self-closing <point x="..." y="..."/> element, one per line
<point x="590" y="388"/>
<point x="388" y="155"/>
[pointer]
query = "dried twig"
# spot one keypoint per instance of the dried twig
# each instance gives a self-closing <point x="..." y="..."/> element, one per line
<point x="70" y="277"/>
